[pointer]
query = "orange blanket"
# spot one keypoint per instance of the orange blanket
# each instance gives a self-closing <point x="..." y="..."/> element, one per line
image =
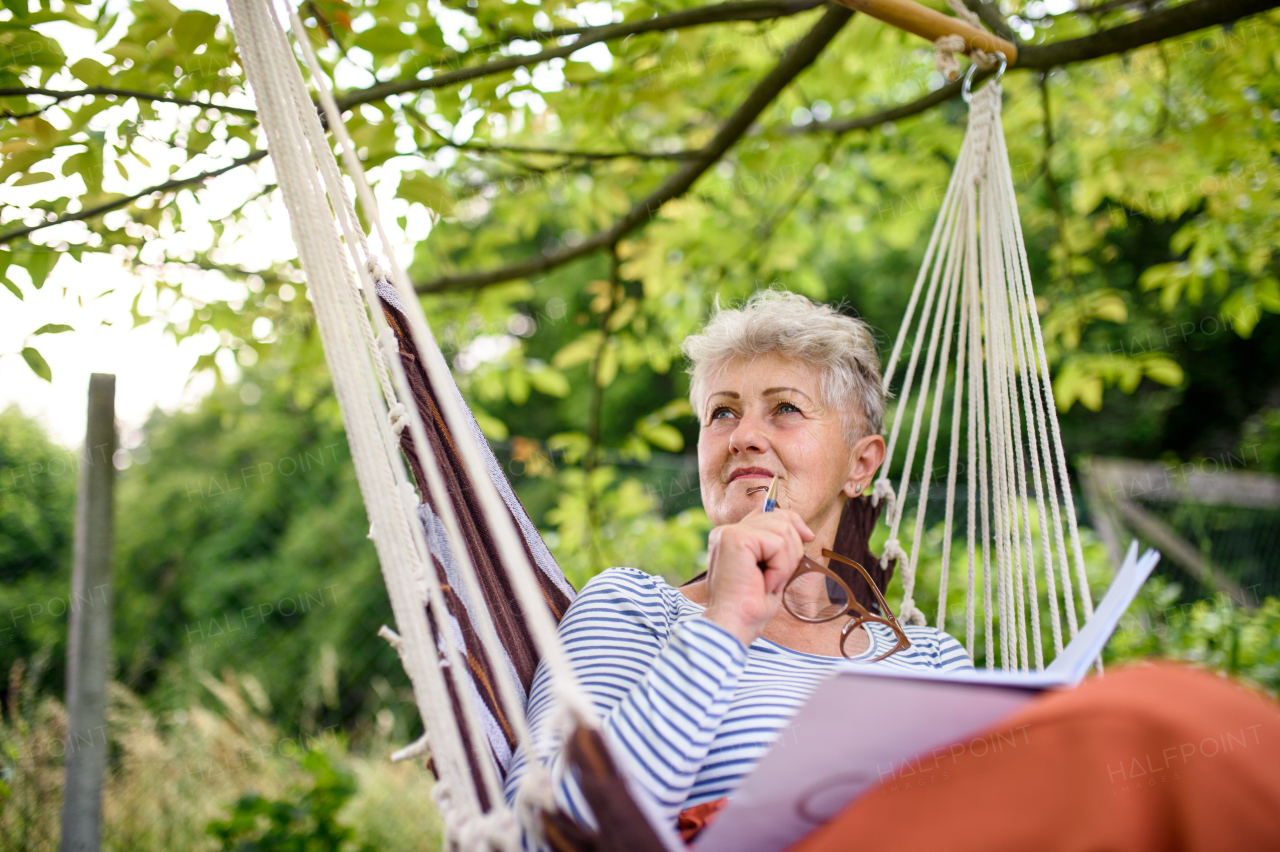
<point x="1150" y="757"/>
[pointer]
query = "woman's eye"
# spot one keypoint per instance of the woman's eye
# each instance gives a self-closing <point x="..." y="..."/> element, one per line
<point x="721" y="413"/>
<point x="787" y="408"/>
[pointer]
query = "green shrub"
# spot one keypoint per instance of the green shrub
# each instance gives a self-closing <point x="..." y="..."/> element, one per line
<point x="1216" y="633"/>
<point x="311" y="824"/>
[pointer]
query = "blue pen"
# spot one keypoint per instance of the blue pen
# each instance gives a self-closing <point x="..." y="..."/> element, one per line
<point x="770" y="503"/>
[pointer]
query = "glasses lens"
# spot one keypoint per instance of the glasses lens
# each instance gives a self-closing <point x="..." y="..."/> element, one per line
<point x="813" y="596"/>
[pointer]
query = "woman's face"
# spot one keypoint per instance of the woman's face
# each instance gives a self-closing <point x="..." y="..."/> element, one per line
<point x="766" y="416"/>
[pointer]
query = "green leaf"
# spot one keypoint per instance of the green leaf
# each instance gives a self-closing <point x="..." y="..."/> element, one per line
<point x="383" y="40"/>
<point x="36" y="362"/>
<point x="426" y="190"/>
<point x="580" y="351"/>
<point x="38" y="265"/>
<point x="53" y="328"/>
<point x="1163" y="370"/>
<point x="662" y="435"/>
<point x="21" y="161"/>
<point x="572" y="444"/>
<point x="17" y="7"/>
<point x="608" y="369"/>
<point x="549" y="381"/>
<point x="44" y="132"/>
<point x="193" y="29"/>
<point x="28" y="47"/>
<point x="32" y="177"/>
<point x="491" y="426"/>
<point x="91" y="72"/>
<point x="13" y="288"/>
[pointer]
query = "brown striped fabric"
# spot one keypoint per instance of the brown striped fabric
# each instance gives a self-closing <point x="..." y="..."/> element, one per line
<point x="499" y="596"/>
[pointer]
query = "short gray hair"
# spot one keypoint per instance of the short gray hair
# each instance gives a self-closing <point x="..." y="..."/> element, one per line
<point x="787" y="324"/>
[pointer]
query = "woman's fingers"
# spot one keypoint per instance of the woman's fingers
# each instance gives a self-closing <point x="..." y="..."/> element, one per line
<point x="741" y="597"/>
<point x="796" y="521"/>
<point x="779" y="518"/>
<point x="778" y="558"/>
<point x="777" y="546"/>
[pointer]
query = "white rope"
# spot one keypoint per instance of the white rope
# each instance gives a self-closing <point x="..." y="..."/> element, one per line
<point x="406" y="520"/>
<point x="515" y="558"/>
<point x="947" y="47"/>
<point x="1052" y="419"/>
<point x="510" y="693"/>
<point x="1037" y="442"/>
<point x="1016" y="473"/>
<point x="952" y="471"/>
<point x="541" y="625"/>
<point x="899" y="502"/>
<point x="369" y="380"/>
<point x="317" y="248"/>
<point x="951" y="287"/>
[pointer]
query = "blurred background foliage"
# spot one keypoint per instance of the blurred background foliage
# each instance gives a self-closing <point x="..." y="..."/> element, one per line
<point x="1148" y="188"/>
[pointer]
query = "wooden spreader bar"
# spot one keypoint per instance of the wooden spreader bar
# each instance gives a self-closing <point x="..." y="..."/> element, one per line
<point x="932" y="25"/>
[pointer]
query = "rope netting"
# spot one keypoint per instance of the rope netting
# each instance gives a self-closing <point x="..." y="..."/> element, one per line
<point x="973" y="302"/>
<point x="370" y="383"/>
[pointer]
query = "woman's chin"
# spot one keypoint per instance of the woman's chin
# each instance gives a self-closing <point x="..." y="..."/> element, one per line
<point x="733" y="508"/>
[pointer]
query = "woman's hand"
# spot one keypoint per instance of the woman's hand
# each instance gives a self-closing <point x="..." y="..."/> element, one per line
<point x="741" y="598"/>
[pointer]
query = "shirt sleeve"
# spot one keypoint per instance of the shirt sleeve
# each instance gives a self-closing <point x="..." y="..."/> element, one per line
<point x="660" y="689"/>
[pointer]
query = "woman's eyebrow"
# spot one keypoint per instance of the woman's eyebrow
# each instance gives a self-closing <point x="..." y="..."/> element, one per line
<point x="731" y="394"/>
<point x="772" y="391"/>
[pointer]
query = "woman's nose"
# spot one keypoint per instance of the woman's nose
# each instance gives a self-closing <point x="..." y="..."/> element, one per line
<point x="749" y="436"/>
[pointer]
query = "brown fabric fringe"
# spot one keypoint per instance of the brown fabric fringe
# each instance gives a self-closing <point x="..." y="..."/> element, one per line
<point x="499" y="595"/>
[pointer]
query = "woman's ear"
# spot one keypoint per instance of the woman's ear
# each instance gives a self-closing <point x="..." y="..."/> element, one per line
<point x="865" y="459"/>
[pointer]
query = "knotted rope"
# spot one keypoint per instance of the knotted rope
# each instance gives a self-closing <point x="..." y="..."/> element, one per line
<point x="973" y="299"/>
<point x="946" y="48"/>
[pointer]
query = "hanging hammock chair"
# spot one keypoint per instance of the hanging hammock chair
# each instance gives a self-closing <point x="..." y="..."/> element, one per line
<point x="475" y="592"/>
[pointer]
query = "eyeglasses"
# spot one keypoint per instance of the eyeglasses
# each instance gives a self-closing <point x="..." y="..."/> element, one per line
<point x="837" y="601"/>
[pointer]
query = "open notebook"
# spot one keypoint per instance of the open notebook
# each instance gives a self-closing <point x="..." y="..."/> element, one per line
<point x="828" y="756"/>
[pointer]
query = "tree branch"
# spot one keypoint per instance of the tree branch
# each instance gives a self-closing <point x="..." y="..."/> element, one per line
<point x="1103" y="8"/>
<point x="990" y="15"/>
<point x="167" y="186"/>
<point x="481" y="148"/>
<point x="1153" y="28"/>
<point x="1167" y="23"/>
<point x="866" y="122"/>
<point x="797" y="58"/>
<point x="741" y="10"/>
<point x="101" y="91"/>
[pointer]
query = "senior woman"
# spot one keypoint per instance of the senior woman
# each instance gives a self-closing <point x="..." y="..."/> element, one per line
<point x="693" y="684"/>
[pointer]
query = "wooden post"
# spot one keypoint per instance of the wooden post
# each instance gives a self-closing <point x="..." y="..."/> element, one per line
<point x="932" y="25"/>
<point x="89" y="640"/>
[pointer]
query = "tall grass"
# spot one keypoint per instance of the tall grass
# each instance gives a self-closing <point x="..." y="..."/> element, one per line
<point x="169" y="776"/>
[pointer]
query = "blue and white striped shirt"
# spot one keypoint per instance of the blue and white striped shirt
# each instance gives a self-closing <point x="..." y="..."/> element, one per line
<point x="683" y="705"/>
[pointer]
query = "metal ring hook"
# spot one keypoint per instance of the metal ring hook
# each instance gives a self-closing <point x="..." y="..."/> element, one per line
<point x="966" y="92"/>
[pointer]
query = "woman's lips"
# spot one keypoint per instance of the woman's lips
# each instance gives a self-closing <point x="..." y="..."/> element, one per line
<point x="752" y="472"/>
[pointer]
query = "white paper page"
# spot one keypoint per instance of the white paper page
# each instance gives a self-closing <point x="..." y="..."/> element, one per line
<point x="1074" y="661"/>
<point x="854" y="731"/>
<point x="863" y="722"/>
